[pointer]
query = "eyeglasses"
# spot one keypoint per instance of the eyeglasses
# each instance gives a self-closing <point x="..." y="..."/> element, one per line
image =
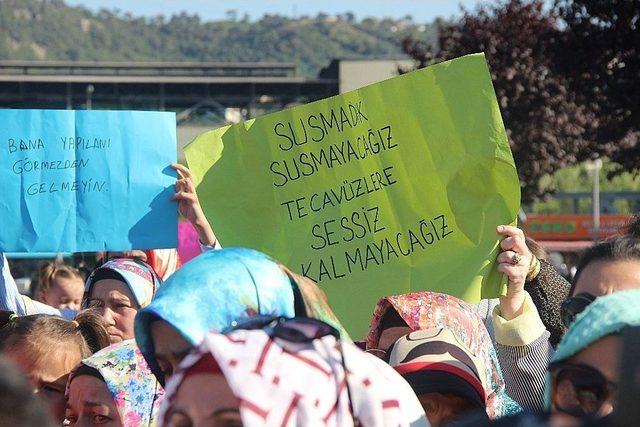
<point x="297" y="330"/>
<point x="573" y="306"/>
<point x="580" y="390"/>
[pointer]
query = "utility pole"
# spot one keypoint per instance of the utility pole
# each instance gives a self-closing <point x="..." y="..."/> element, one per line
<point x="593" y="168"/>
<point x="90" y="90"/>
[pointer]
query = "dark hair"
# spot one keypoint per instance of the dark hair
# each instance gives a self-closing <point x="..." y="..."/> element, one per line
<point x="39" y="331"/>
<point x="633" y="226"/>
<point x="18" y="405"/>
<point x="6" y="317"/>
<point x="619" y="248"/>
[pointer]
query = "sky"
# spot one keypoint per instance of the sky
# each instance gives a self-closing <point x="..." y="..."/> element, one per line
<point x="421" y="10"/>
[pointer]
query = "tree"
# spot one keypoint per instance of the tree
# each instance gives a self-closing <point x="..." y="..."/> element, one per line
<point x="547" y="126"/>
<point x="604" y="70"/>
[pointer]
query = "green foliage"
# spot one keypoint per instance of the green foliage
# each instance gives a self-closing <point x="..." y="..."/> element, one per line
<point x="604" y="69"/>
<point x="51" y="30"/>
<point x="566" y="79"/>
<point x="578" y="179"/>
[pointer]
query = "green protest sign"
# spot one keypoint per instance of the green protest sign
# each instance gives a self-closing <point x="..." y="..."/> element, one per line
<point x="392" y="188"/>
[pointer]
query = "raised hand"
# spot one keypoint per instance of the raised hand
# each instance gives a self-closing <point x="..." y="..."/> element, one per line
<point x="189" y="205"/>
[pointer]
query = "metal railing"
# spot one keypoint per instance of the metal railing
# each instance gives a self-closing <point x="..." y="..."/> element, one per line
<point x="159" y="69"/>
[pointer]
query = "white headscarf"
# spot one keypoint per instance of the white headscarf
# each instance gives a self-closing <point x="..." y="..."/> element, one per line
<point x="280" y="383"/>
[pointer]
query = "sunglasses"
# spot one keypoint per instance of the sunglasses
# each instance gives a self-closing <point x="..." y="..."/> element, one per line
<point x="297" y="330"/>
<point x="580" y="390"/>
<point x="573" y="306"/>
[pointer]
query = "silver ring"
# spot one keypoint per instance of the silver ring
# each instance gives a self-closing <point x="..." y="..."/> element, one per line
<point x="516" y="259"/>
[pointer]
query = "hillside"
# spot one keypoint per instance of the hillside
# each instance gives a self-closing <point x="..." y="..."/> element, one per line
<point x="52" y="30"/>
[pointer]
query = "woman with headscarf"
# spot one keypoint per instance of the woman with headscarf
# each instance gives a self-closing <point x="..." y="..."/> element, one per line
<point x="524" y="323"/>
<point x="117" y="290"/>
<point x="397" y="316"/>
<point x="609" y="266"/>
<point x="166" y="261"/>
<point x="114" y="387"/>
<point x="267" y="375"/>
<point x="585" y="370"/>
<point x="46" y="348"/>
<point x="122" y="286"/>
<point x="214" y="291"/>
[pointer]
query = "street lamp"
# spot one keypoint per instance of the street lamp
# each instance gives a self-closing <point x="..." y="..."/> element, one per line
<point x="593" y="168"/>
<point x="90" y="90"/>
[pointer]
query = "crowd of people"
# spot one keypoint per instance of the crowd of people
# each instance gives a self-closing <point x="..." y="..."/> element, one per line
<point x="234" y="338"/>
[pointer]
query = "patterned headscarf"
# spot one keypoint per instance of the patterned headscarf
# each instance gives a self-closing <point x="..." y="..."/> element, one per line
<point x="432" y="310"/>
<point x="608" y="314"/>
<point x="212" y="291"/>
<point x="138" y="276"/>
<point x="136" y="392"/>
<point x="279" y="383"/>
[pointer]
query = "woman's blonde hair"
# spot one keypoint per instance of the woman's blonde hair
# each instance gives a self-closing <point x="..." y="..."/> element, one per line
<point x="88" y="333"/>
<point x="50" y="271"/>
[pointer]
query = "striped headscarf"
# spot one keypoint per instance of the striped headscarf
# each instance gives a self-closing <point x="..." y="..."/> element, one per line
<point x="139" y="277"/>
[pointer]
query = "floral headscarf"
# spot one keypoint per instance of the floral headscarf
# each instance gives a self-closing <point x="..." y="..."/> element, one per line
<point x="432" y="310"/>
<point x="139" y="277"/>
<point x="302" y="384"/>
<point x="134" y="389"/>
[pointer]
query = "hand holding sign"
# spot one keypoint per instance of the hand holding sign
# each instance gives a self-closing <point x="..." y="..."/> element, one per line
<point x="189" y="205"/>
<point x="514" y="262"/>
<point x="392" y="188"/>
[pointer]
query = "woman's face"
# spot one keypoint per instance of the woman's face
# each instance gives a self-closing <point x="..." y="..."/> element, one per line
<point x="48" y="372"/>
<point x="204" y="400"/>
<point x="91" y="404"/>
<point x="441" y="408"/>
<point x="170" y="347"/>
<point x="603" y="356"/>
<point x="116" y="304"/>
<point x="64" y="293"/>
<point x="606" y="277"/>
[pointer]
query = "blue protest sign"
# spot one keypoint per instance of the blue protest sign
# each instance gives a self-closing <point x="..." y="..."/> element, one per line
<point x="75" y="181"/>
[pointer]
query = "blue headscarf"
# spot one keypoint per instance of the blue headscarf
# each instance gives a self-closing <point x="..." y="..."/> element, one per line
<point x="211" y="292"/>
<point x="605" y="316"/>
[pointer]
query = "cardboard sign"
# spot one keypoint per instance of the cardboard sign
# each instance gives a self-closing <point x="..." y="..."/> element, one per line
<point x="77" y="181"/>
<point x="392" y="188"/>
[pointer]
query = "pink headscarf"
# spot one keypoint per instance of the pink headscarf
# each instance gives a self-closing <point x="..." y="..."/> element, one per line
<point x="432" y="310"/>
<point x="164" y="262"/>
